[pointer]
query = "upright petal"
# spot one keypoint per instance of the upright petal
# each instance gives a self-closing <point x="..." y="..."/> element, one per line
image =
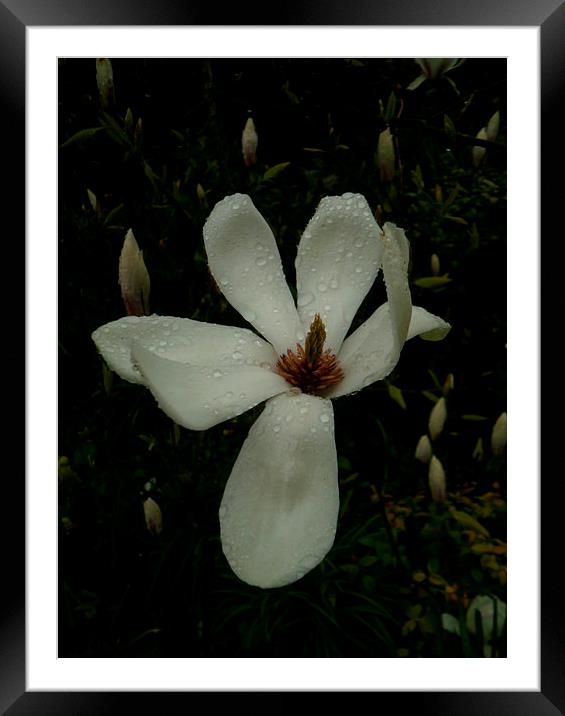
<point x="395" y="270"/>
<point x="199" y="396"/>
<point x="337" y="261"/>
<point x="279" y="510"/>
<point x="180" y="339"/>
<point x="245" y="262"/>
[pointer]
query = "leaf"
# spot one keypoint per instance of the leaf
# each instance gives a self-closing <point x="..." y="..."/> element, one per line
<point x="275" y="171"/>
<point x="313" y="149"/>
<point x="457" y="219"/>
<point x="84" y="135"/>
<point x="449" y="127"/>
<point x="417" y="178"/>
<point x="114" y="131"/>
<point x="469" y="522"/>
<point x="112" y="215"/>
<point x="367" y="561"/>
<point x="450" y="623"/>
<point x="474" y="418"/>
<point x="487" y="548"/>
<point x="390" y="108"/>
<point x="432" y="281"/>
<point x="452" y="196"/>
<point x="416" y="83"/>
<point x="396" y="395"/>
<point x="437" y="580"/>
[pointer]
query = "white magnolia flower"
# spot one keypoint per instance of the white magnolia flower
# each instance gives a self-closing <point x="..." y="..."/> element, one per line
<point x="279" y="511"/>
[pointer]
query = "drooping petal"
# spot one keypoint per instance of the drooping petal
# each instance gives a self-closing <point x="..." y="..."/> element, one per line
<point x="179" y="339"/>
<point x="337" y="261"/>
<point x="427" y="326"/>
<point x="368" y="354"/>
<point x="279" y="510"/>
<point x="245" y="262"/>
<point x="199" y="396"/>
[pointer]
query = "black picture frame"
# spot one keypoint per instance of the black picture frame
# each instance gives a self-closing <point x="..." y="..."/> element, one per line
<point x="549" y="17"/>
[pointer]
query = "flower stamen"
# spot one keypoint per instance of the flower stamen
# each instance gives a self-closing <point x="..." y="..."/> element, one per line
<point x="310" y="368"/>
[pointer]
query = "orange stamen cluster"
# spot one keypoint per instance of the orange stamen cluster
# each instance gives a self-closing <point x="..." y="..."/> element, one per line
<point x="310" y="368"/>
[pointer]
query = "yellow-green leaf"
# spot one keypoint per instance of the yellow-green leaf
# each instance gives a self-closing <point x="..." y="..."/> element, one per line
<point x="82" y="136"/>
<point x="457" y="219"/>
<point x="396" y="394"/>
<point x="469" y="522"/>
<point x="432" y="281"/>
<point x="486" y="548"/>
<point x="274" y="171"/>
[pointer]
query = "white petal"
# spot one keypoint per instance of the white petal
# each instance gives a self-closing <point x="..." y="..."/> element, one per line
<point x="372" y="351"/>
<point x="244" y="259"/>
<point x="337" y="261"/>
<point x="181" y="339"/>
<point x="395" y="271"/>
<point x="198" y="397"/>
<point x="427" y="326"/>
<point x="279" y="510"/>
<point x="369" y="353"/>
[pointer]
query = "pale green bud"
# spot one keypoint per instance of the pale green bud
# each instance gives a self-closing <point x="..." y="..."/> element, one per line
<point x="424" y="450"/>
<point x="436" y="479"/>
<point x="249" y="142"/>
<point x="385" y="155"/>
<point x="498" y="437"/>
<point x="105" y="82"/>
<point x="134" y="278"/>
<point x="153" y="516"/>
<point x="437" y="419"/>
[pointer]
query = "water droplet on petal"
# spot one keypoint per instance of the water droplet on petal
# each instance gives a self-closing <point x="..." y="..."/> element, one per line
<point x="304" y="299"/>
<point x="260" y="261"/>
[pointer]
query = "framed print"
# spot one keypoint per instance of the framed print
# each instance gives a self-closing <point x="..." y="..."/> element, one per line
<point x="174" y="168"/>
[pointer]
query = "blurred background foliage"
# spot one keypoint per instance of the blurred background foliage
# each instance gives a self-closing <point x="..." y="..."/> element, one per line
<point x="154" y="153"/>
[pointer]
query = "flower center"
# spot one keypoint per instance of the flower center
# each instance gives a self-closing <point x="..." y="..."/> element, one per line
<point x="310" y="368"/>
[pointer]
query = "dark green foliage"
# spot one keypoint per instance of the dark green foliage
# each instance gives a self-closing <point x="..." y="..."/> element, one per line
<point x="400" y="561"/>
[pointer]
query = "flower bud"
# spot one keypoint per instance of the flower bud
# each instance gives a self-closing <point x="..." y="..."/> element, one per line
<point x="249" y="141"/>
<point x="128" y="121"/>
<point x="424" y="450"/>
<point x="479" y="152"/>
<point x="201" y="194"/>
<point x="153" y="517"/>
<point x="134" y="278"/>
<point x="498" y="437"/>
<point x="435" y="265"/>
<point x="434" y="67"/>
<point x="485" y="606"/>
<point x="448" y="383"/>
<point x="436" y="479"/>
<point x="138" y="132"/>
<point x="105" y="82"/>
<point x="492" y="127"/>
<point x="437" y="419"/>
<point x="385" y="156"/>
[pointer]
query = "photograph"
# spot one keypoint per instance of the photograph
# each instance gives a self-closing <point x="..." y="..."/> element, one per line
<point x="282" y="357"/>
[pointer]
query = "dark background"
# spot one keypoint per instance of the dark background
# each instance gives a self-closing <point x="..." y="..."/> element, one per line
<point x="399" y="561"/>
